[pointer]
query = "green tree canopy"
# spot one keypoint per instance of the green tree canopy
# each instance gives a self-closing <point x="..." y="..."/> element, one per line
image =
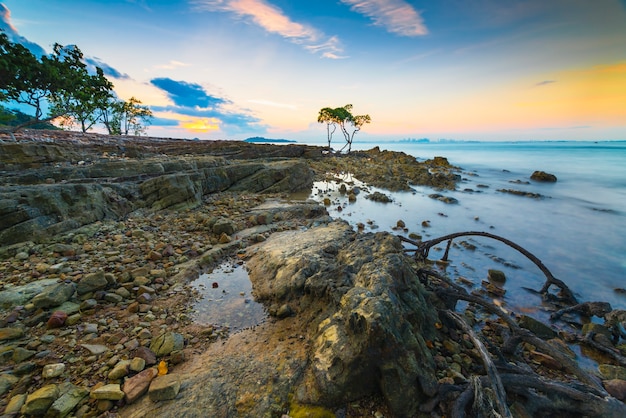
<point x="348" y="123"/>
<point x="60" y="86"/>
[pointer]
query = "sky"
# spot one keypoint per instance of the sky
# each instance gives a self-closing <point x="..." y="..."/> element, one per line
<point x="455" y="69"/>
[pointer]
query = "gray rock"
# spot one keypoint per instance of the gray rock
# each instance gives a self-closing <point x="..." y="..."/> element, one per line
<point x="91" y="283"/>
<point x="543" y="177"/>
<point x="111" y="392"/>
<point x="71" y="396"/>
<point x="6" y="382"/>
<point x="375" y="317"/>
<point x="54" y="295"/>
<point x="164" y="344"/>
<point x="53" y="370"/>
<point x="20" y="295"/>
<point x="536" y="327"/>
<point x="38" y="402"/>
<point x="223" y="226"/>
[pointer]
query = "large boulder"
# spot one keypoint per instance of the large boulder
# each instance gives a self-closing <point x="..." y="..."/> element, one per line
<point x="369" y="314"/>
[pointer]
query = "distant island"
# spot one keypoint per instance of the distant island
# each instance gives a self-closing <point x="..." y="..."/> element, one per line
<point x="261" y="139"/>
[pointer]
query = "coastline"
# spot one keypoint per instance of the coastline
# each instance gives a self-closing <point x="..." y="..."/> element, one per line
<point x="173" y="243"/>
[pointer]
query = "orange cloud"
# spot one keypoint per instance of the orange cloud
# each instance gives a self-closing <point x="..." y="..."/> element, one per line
<point x="201" y="125"/>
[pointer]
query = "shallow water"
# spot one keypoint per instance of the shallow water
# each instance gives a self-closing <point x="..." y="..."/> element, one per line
<point x="226" y="298"/>
<point x="578" y="229"/>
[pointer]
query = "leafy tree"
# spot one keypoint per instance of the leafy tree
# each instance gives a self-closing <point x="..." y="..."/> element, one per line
<point x="347" y="122"/>
<point x="87" y="103"/>
<point x="13" y="117"/>
<point x="327" y="116"/>
<point x="133" y="116"/>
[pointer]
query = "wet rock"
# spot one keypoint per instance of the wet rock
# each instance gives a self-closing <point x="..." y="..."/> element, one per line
<point x="38" y="402"/>
<point x="543" y="177"/>
<point x="54" y="295"/>
<point x="163" y="388"/>
<point x="136" y="386"/>
<point x="442" y="198"/>
<point x="536" y="327"/>
<point x="165" y="343"/>
<point x="496" y="277"/>
<point x="91" y="283"/>
<point x="284" y="311"/>
<point x="610" y="372"/>
<point x="379" y="197"/>
<point x="110" y="392"/>
<point x="616" y="388"/>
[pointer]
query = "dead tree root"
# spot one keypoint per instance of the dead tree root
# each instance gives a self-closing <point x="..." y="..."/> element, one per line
<point x="510" y="377"/>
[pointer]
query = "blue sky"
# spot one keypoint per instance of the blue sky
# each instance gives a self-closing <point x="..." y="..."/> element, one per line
<point x="461" y="69"/>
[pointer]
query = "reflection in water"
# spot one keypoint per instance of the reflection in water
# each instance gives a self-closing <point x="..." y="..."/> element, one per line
<point x="226" y="298"/>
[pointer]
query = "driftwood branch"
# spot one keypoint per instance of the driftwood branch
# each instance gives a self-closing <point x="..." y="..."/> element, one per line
<point x="490" y="368"/>
<point x="423" y="248"/>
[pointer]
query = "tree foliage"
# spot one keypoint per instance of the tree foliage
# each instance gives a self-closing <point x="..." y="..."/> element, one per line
<point x="60" y="87"/>
<point x="343" y="118"/>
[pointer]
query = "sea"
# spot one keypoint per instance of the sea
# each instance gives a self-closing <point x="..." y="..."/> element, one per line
<point x="577" y="227"/>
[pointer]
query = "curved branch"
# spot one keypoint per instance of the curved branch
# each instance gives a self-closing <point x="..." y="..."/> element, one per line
<point x="424" y="247"/>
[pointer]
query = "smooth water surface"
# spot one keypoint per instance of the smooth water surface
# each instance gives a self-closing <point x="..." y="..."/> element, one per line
<point x="226" y="298"/>
<point x="578" y="229"/>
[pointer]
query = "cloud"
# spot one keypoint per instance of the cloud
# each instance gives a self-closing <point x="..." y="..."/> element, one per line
<point x="273" y="20"/>
<point x="172" y="65"/>
<point x="204" y="112"/>
<point x="11" y="31"/>
<point x="273" y="104"/>
<point x="544" y="82"/>
<point x="187" y="94"/>
<point x="396" y="16"/>
<point x="93" y="62"/>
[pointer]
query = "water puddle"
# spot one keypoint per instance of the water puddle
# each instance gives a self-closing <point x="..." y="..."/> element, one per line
<point x="225" y="298"/>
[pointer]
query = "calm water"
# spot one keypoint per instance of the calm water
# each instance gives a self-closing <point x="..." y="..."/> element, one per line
<point x="578" y="229"/>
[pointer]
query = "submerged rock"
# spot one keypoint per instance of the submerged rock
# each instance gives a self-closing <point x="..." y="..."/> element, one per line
<point x="543" y="176"/>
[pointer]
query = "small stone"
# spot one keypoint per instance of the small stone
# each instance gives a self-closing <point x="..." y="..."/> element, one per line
<point x="123" y="292"/>
<point x="543" y="176"/>
<point x="90" y="328"/>
<point x="21" y="354"/>
<point x="120" y="370"/>
<point x="6" y="382"/>
<point x="91" y="283"/>
<point x="54" y="295"/>
<point x="38" y="402"/>
<point x="164" y="344"/>
<point x="15" y="405"/>
<point x="88" y="304"/>
<point x="137" y="385"/>
<point x="111" y="392"/>
<point x="71" y="396"/>
<point x="538" y="328"/>
<point x="611" y="372"/>
<point x="137" y="364"/>
<point x="496" y="277"/>
<point x="113" y="298"/>
<point x="284" y="311"/>
<point x="11" y="333"/>
<point x="57" y="319"/>
<point x="146" y="354"/>
<point x="95" y="349"/>
<point x="164" y="387"/>
<point x="53" y="370"/>
<point x="617" y="388"/>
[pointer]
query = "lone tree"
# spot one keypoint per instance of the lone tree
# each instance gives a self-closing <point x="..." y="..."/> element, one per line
<point x="347" y="122"/>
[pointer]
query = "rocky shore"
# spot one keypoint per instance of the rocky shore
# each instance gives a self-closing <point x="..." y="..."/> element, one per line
<point x="101" y="236"/>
